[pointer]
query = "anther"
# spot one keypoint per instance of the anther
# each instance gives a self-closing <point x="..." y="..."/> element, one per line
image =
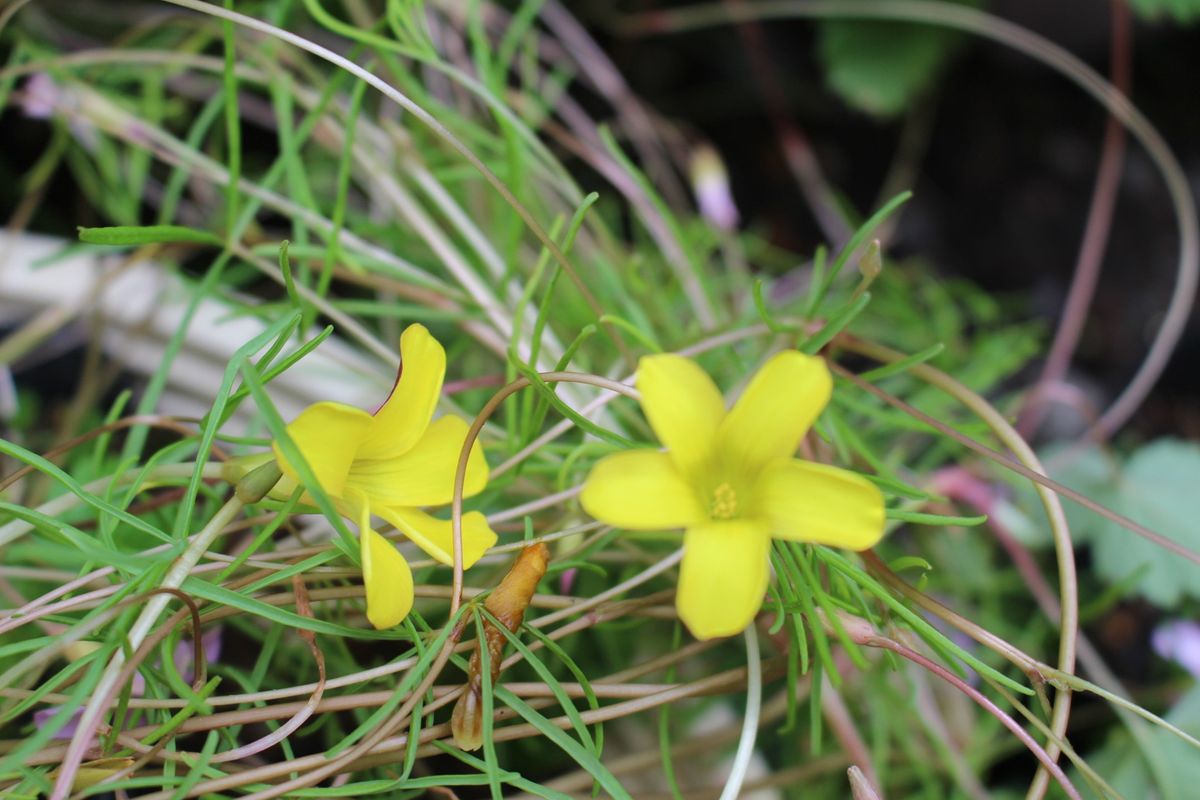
<point x="724" y="503"/>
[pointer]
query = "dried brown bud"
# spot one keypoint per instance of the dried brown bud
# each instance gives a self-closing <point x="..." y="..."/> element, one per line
<point x="507" y="603"/>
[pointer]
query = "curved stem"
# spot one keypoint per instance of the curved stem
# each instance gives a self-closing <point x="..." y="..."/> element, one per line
<point x="1095" y="235"/>
<point x="694" y="289"/>
<point x="485" y="413"/>
<point x="1064" y="551"/>
<point x="1045" y="756"/>
<point x="745" y="748"/>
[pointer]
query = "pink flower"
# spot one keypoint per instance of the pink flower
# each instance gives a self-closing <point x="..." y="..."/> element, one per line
<point x="43" y="98"/>
<point x="710" y="182"/>
<point x="1179" y="641"/>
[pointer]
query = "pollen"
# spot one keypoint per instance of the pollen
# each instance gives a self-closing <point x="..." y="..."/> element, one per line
<point x="724" y="502"/>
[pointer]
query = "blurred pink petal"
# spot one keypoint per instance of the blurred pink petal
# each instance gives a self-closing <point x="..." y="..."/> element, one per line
<point x="1179" y="641"/>
<point x="567" y="579"/>
<point x="710" y="182"/>
<point x="959" y="484"/>
<point x="42" y="716"/>
<point x="41" y="97"/>
<point x="210" y="640"/>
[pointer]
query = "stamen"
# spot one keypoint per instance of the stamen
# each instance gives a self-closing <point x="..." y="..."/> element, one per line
<point x="724" y="504"/>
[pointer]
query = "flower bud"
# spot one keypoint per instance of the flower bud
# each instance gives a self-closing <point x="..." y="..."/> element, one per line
<point x="256" y="483"/>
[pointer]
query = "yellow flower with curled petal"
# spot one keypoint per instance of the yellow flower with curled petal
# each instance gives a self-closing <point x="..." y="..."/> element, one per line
<point x="390" y="464"/>
<point x="730" y="480"/>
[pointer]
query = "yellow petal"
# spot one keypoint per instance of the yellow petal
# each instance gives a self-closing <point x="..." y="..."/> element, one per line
<point x="424" y="475"/>
<point x="405" y="415"/>
<point x="818" y="503"/>
<point x="328" y="435"/>
<point x="386" y="575"/>
<point x="436" y="536"/>
<point x="779" y="405"/>
<point x="723" y="576"/>
<point x="683" y="405"/>
<point x="640" y="490"/>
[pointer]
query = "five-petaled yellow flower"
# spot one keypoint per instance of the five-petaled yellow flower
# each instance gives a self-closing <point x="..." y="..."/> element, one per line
<point x="390" y="464"/>
<point x="730" y="479"/>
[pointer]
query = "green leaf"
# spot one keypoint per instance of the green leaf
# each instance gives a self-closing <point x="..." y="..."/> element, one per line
<point x="582" y="756"/>
<point x="1155" y="486"/>
<point x="1158" y="489"/>
<point x="127" y="235"/>
<point x="917" y="518"/>
<point x="1184" y="11"/>
<point x="879" y="67"/>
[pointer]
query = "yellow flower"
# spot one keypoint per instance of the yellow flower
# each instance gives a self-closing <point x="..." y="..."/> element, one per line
<point x="390" y="464"/>
<point x="729" y="479"/>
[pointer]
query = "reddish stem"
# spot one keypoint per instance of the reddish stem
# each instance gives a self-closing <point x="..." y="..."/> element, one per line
<point x="796" y="149"/>
<point x="937" y="669"/>
<point x="1095" y="234"/>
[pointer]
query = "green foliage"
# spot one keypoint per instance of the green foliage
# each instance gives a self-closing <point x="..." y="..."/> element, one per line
<point x="1154" y="485"/>
<point x="146" y="234"/>
<point x="880" y="67"/>
<point x="1123" y="764"/>
<point x="1182" y="11"/>
<point x="443" y="203"/>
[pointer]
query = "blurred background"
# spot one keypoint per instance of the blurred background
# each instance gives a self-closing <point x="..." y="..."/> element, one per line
<point x="1002" y="154"/>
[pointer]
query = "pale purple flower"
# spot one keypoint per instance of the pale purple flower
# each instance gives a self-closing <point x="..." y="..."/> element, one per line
<point x="1179" y="641"/>
<point x="710" y="182"/>
<point x="210" y="640"/>
<point x="41" y="96"/>
<point x="42" y="716"/>
<point x="44" y="98"/>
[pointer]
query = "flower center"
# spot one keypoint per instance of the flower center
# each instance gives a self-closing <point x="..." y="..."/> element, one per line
<point x="724" y="502"/>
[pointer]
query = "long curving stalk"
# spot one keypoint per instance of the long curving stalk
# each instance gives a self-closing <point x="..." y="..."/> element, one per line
<point x="1068" y="583"/>
<point x="964" y="18"/>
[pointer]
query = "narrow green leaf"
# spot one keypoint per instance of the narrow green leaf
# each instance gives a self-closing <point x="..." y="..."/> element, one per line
<point x="133" y="236"/>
